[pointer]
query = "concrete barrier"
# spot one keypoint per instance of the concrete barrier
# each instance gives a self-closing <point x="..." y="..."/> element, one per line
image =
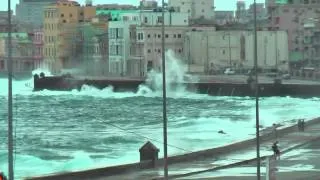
<point x="203" y="154"/>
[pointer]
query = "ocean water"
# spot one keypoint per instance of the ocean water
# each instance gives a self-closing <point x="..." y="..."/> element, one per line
<point x="75" y="130"/>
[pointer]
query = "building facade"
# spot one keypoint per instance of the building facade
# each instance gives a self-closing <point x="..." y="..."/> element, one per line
<point x="196" y="9"/>
<point x="22" y="53"/>
<point x="126" y="36"/>
<point x="224" y="17"/>
<point x="291" y="16"/>
<point x="209" y="51"/>
<point x="31" y="11"/>
<point x="61" y="21"/>
<point x="37" y="40"/>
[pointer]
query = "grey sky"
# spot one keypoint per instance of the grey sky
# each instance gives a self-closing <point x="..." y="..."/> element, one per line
<point x="220" y="4"/>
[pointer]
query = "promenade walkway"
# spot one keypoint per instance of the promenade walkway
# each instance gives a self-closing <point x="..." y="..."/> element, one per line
<point x="208" y="167"/>
<point x="206" y="164"/>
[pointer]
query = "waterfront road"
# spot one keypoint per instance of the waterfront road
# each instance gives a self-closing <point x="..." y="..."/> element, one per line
<point x="299" y="160"/>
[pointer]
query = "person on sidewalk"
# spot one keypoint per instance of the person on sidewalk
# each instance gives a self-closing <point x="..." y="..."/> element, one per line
<point x="275" y="149"/>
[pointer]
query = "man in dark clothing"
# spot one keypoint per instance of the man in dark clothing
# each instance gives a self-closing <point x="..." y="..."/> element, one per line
<point x="276" y="150"/>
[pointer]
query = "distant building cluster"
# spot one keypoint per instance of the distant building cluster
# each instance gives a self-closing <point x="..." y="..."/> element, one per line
<point x="125" y="40"/>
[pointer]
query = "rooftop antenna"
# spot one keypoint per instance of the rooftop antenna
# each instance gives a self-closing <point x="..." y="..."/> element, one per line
<point x="10" y="135"/>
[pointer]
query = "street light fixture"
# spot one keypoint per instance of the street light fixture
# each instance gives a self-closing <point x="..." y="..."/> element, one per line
<point x="164" y="97"/>
<point x="256" y="89"/>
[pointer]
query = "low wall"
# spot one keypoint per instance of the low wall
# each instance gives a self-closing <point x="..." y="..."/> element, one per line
<point x="114" y="170"/>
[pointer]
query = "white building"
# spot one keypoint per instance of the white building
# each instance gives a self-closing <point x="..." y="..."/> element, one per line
<point x="120" y="36"/>
<point x="213" y="50"/>
<point x="195" y="8"/>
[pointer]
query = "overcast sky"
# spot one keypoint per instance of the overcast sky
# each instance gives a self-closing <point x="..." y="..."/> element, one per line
<point x="220" y="4"/>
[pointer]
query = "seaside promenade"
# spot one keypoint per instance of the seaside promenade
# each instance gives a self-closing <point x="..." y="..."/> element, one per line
<point x="241" y="164"/>
<point x="211" y="163"/>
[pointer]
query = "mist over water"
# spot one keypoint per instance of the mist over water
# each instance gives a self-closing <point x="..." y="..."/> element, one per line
<point x="73" y="130"/>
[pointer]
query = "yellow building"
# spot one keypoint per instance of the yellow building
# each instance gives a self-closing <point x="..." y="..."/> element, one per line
<point x="61" y="20"/>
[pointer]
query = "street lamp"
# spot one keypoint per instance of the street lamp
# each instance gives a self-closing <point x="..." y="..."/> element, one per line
<point x="256" y="89"/>
<point x="164" y="97"/>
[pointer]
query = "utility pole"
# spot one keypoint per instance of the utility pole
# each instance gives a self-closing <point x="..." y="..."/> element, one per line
<point x="256" y="89"/>
<point x="10" y="126"/>
<point x="164" y="97"/>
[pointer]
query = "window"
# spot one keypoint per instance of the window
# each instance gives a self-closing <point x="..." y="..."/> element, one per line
<point x="174" y="36"/>
<point x="149" y="50"/>
<point x="149" y="36"/>
<point x="179" y="35"/>
<point x="167" y="36"/>
<point x="140" y="36"/>
<point x="202" y="10"/>
<point x="64" y="21"/>
<point x="223" y="52"/>
<point x="159" y="36"/>
<point x="70" y="15"/>
<point x="62" y="15"/>
<point x="159" y="19"/>
<point x="145" y="19"/>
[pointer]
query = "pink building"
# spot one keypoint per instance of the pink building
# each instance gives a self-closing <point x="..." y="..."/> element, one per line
<point x="37" y="40"/>
<point x="294" y="17"/>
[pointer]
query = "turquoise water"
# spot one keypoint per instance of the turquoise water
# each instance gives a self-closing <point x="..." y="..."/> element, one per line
<point x="65" y="131"/>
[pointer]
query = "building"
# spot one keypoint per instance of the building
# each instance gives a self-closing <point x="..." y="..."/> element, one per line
<point x="31" y="11"/>
<point x="128" y="36"/>
<point x="116" y="7"/>
<point x="241" y="10"/>
<point x="37" y="40"/>
<point x="93" y="48"/>
<point x="210" y="51"/>
<point x="61" y="21"/>
<point x="22" y="53"/>
<point x="146" y="47"/>
<point x="148" y="4"/>
<point x="196" y="9"/>
<point x="224" y="17"/>
<point x="291" y="16"/>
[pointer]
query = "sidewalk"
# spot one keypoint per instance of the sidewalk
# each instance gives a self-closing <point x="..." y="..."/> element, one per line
<point x="299" y="161"/>
<point x="190" y="169"/>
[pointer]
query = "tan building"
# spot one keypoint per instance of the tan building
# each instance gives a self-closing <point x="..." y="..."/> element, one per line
<point x="60" y="24"/>
<point x="208" y="51"/>
<point x="146" y="47"/>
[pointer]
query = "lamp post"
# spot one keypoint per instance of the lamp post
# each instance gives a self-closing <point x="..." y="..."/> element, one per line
<point x="256" y="89"/>
<point x="164" y="97"/>
<point x="10" y="75"/>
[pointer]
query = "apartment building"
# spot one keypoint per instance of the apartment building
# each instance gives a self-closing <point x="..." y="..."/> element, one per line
<point x="31" y="11"/>
<point x="294" y="16"/>
<point x="196" y="9"/>
<point x="60" y="24"/>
